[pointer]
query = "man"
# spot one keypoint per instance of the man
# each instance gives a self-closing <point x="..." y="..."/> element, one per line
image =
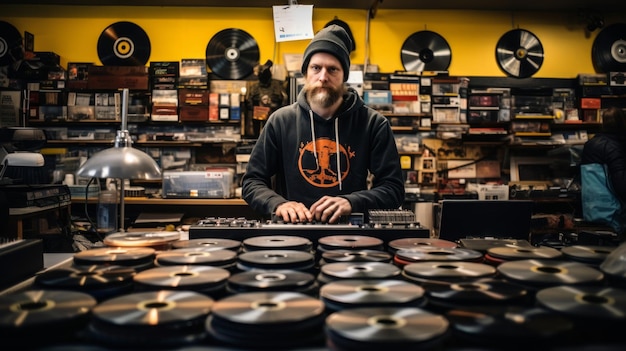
<point x="313" y="159"/>
<point x="603" y="173"/>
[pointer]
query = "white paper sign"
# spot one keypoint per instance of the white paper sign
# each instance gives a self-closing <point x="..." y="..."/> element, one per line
<point x="293" y="22"/>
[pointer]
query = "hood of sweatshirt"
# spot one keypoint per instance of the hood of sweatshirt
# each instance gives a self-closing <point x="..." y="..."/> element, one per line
<point x="351" y="102"/>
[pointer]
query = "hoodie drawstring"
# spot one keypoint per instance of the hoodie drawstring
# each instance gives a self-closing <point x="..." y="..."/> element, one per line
<point x="338" y="153"/>
<point x="336" y="146"/>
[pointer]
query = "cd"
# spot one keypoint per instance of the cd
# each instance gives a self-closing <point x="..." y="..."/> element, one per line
<point x="356" y="256"/>
<point x="216" y="243"/>
<point x="509" y="327"/>
<point x="286" y="280"/>
<point x="196" y="256"/>
<point x="409" y="243"/>
<point x="587" y="253"/>
<point x="153" y="309"/>
<point x="11" y="44"/>
<point x="480" y="291"/>
<point x="85" y="277"/>
<point x="428" y="253"/>
<point x="521" y="253"/>
<point x="519" y="53"/>
<point x="370" y="293"/>
<point x="374" y="328"/>
<point x="425" y="51"/>
<point x="280" y="242"/>
<point x="135" y="239"/>
<point x="123" y="256"/>
<point x="36" y="310"/>
<point x="276" y="259"/>
<point x="597" y="302"/>
<point x="183" y="277"/>
<point x="273" y="308"/>
<point x="551" y="272"/>
<point x="348" y="242"/>
<point x="123" y="44"/>
<point x="448" y="270"/>
<point x="608" y="52"/>
<point x="232" y="54"/>
<point x="360" y="270"/>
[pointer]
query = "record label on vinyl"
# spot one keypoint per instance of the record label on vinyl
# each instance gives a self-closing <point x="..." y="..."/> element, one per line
<point x="11" y="46"/>
<point x="124" y="44"/>
<point x="609" y="49"/>
<point x="519" y="53"/>
<point x="425" y="51"/>
<point x="232" y="54"/>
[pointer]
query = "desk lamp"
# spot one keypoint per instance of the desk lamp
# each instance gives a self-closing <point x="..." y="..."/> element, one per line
<point x="122" y="161"/>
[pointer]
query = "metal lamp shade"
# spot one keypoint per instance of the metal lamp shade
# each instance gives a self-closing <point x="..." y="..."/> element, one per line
<point x="120" y="162"/>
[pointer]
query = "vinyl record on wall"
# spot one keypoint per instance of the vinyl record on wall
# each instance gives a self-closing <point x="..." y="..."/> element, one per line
<point x="232" y="54"/>
<point x="425" y="51"/>
<point x="11" y="44"/>
<point x="124" y="44"/>
<point x="519" y="53"/>
<point x="608" y="52"/>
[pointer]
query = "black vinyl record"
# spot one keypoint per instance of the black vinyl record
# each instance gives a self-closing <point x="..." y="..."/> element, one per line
<point x="593" y="254"/>
<point x="448" y="270"/>
<point x="349" y="242"/>
<point x="213" y="243"/>
<point x="278" y="242"/>
<point x="182" y="277"/>
<point x="549" y="272"/>
<point x="276" y="259"/>
<point x="356" y="256"/>
<point x="386" y="328"/>
<point x="608" y="52"/>
<point x="475" y="292"/>
<point x="425" y="51"/>
<point x="522" y="253"/>
<point x="11" y="44"/>
<point x="85" y="277"/>
<point x="123" y="256"/>
<point x="596" y="302"/>
<point x="509" y="327"/>
<point x="197" y="256"/>
<point x="165" y="318"/>
<point x="360" y="270"/>
<point x="274" y="280"/>
<point x="352" y="293"/>
<point x="409" y="243"/>
<point x="140" y="239"/>
<point x="232" y="54"/>
<point x="273" y="320"/>
<point x="124" y="44"/>
<point x="37" y="310"/>
<point x="519" y="53"/>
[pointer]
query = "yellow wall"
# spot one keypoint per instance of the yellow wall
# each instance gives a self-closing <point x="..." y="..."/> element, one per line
<point x="184" y="32"/>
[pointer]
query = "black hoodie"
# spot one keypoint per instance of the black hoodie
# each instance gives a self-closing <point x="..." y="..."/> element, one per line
<point x="356" y="142"/>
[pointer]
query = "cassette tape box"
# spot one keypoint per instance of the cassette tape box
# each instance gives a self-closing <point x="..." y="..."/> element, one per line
<point x="213" y="183"/>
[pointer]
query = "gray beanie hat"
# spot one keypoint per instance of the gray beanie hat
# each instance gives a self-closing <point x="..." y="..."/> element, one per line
<point x="333" y="40"/>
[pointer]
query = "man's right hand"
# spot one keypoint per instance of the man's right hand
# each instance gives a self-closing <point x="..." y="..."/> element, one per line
<point x="293" y="212"/>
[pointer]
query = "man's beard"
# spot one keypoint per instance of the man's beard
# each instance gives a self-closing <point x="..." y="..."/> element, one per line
<point x="323" y="96"/>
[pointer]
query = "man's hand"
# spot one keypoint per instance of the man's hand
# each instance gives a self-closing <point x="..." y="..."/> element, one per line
<point x="329" y="209"/>
<point x="293" y="212"/>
